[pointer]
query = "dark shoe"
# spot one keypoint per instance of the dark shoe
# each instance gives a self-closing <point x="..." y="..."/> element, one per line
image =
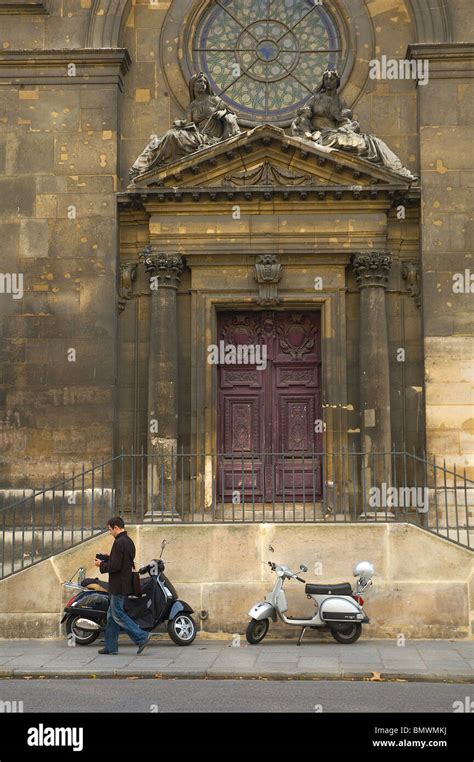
<point x="142" y="646"/>
<point x="104" y="651"/>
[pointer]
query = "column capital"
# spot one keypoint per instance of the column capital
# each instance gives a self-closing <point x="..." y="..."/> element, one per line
<point x="372" y="268"/>
<point x="166" y="269"/>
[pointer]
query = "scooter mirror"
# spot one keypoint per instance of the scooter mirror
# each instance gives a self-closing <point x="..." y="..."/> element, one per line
<point x="303" y="568"/>
<point x="363" y="569"/>
<point x="271" y="549"/>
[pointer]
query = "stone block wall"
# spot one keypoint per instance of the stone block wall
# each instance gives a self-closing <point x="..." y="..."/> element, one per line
<point x="422" y="586"/>
<point x="58" y="150"/>
<point x="66" y="142"/>
<point x="446" y="134"/>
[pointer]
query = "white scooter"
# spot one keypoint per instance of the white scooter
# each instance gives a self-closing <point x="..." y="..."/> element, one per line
<point x="337" y="607"/>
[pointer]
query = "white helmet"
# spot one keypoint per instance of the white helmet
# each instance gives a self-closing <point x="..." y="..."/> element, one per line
<point x="363" y="569"/>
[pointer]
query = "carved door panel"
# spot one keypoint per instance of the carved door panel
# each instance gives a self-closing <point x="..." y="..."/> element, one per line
<point x="242" y="403"/>
<point x="297" y="403"/>
<point x="266" y="416"/>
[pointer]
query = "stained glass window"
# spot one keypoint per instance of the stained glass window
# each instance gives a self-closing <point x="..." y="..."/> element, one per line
<point x="265" y="57"/>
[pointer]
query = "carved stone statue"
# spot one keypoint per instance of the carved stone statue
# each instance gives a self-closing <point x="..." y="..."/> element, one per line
<point x="301" y="127"/>
<point x="206" y="121"/>
<point x="327" y="121"/>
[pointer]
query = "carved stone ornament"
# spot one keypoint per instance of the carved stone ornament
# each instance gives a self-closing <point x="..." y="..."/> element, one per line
<point x="163" y="270"/>
<point x="268" y="174"/>
<point x="267" y="275"/>
<point x="411" y="273"/>
<point x="372" y="268"/>
<point x="128" y="275"/>
<point x="325" y="120"/>
<point x="207" y="121"/>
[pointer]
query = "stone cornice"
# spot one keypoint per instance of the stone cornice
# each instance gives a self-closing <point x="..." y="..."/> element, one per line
<point x="51" y="67"/>
<point x="141" y="199"/>
<point x="445" y="51"/>
<point x="450" y="59"/>
<point x="19" y="8"/>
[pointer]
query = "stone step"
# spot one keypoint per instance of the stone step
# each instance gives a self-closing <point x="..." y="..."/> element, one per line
<point x="23" y="546"/>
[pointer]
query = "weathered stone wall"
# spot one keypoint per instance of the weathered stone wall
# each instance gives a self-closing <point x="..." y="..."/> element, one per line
<point x="58" y="151"/>
<point x="219" y="569"/>
<point x="68" y="142"/>
<point x="446" y="134"/>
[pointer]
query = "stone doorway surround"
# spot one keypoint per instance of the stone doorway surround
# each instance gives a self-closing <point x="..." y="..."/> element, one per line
<point x="204" y="413"/>
<point x="308" y="211"/>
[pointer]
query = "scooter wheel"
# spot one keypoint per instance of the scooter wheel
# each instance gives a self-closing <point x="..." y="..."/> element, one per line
<point x="81" y="637"/>
<point x="347" y="633"/>
<point x="256" y="630"/>
<point x="182" y="629"/>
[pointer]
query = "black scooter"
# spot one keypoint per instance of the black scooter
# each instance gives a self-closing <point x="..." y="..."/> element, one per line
<point x="85" y="614"/>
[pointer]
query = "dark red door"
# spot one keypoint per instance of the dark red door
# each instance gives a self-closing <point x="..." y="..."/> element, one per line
<point x="269" y="398"/>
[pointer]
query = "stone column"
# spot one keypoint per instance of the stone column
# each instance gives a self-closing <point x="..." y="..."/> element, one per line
<point x="164" y="273"/>
<point x="372" y="271"/>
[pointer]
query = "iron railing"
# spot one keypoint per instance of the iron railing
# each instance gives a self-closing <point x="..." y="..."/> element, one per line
<point x="176" y="487"/>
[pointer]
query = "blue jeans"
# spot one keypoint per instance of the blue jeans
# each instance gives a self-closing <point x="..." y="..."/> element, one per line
<point x="116" y="619"/>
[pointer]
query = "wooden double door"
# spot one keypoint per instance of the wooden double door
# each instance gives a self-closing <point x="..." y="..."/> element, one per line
<point x="269" y="443"/>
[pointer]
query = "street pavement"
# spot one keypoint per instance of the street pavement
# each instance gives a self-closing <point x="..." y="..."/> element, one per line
<point x="255" y="696"/>
<point x="417" y="660"/>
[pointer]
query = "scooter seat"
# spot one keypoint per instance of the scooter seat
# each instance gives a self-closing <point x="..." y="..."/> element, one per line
<point x="94" y="583"/>
<point x="343" y="589"/>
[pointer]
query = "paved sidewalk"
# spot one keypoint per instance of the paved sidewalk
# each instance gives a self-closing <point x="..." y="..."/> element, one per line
<point x="433" y="660"/>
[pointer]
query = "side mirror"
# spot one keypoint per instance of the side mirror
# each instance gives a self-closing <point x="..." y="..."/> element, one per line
<point x="271" y="549"/>
<point x="303" y="568"/>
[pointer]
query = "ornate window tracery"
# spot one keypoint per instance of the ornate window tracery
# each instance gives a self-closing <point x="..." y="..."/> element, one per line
<point x="265" y="57"/>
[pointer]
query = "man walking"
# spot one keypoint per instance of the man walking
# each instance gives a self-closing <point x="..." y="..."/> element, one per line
<point x="119" y="566"/>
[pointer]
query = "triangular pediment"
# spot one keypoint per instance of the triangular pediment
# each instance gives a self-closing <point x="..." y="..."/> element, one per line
<point x="266" y="156"/>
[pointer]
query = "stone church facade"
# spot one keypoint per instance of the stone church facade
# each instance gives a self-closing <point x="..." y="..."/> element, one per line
<point x="342" y="267"/>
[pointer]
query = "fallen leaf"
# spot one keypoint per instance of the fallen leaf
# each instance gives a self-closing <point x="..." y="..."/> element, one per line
<point x="376" y="677"/>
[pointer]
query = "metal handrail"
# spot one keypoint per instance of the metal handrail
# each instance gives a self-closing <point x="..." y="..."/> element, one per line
<point x="54" y="487"/>
<point x="232" y="487"/>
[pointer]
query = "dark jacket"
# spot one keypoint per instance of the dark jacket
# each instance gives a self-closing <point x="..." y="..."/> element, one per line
<point x="120" y="565"/>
